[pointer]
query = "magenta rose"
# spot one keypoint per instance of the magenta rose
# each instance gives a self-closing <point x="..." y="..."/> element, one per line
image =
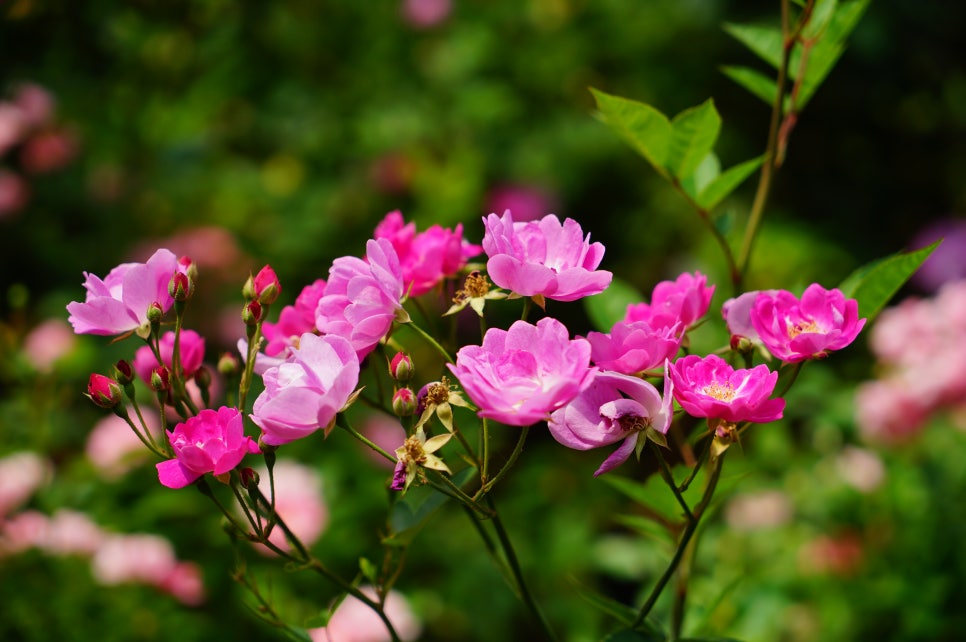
<point x="305" y="393"/>
<point x="795" y="329"/>
<point x="682" y="301"/>
<point x="213" y="441"/>
<point x="709" y="387"/>
<point x="544" y="257"/>
<point x="120" y="302"/>
<point x="293" y="321"/>
<point x="614" y="407"/>
<point x="521" y="375"/>
<point x="633" y="347"/>
<point x="192" y="354"/>
<point x="361" y="297"/>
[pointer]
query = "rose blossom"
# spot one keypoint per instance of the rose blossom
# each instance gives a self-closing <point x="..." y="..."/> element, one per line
<point x="544" y="257"/>
<point x="737" y="315"/>
<point x="682" y="301"/>
<point x="307" y="391"/>
<point x="293" y="321"/>
<point x="213" y="441"/>
<point x="361" y="298"/>
<point x="612" y="408"/>
<point x="633" y="347"/>
<point x="192" y="351"/>
<point x="428" y="257"/>
<point x="354" y="621"/>
<point x="21" y="474"/>
<point x="519" y="376"/>
<point x="709" y="387"/>
<point x="808" y="328"/>
<point x="120" y="302"/>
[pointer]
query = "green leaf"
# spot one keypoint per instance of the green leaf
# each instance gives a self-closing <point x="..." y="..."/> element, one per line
<point x="728" y="182"/>
<point x="693" y="135"/>
<point x="707" y="172"/>
<point x="822" y="14"/>
<point x="619" y="611"/>
<point x="828" y="48"/>
<point x="610" y="306"/>
<point x="765" y="42"/>
<point x="644" y="127"/>
<point x="628" y="635"/>
<point x="754" y="81"/>
<point x="875" y="283"/>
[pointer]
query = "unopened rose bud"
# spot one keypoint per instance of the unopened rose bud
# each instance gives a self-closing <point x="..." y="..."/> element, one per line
<point x="155" y="313"/>
<point x="266" y="286"/>
<point x="181" y="287"/>
<point x="189" y="267"/>
<point x="249" y="477"/>
<point x="401" y="367"/>
<point x="248" y="290"/>
<point x="103" y="391"/>
<point x="228" y="364"/>
<point x="123" y="372"/>
<point x="741" y="345"/>
<point x="404" y="402"/>
<point x="252" y="313"/>
<point x="160" y="379"/>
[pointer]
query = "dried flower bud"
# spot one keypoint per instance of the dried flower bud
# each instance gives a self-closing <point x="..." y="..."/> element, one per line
<point x="404" y="402"/>
<point x="103" y="391"/>
<point x="181" y="287"/>
<point x="160" y="379"/>
<point x="401" y="367"/>
<point x="252" y="313"/>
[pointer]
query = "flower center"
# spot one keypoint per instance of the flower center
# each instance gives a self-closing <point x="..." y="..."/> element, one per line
<point x="633" y="422"/>
<point x="413" y="449"/>
<point x="803" y="326"/>
<point x="475" y="286"/>
<point x="438" y="393"/>
<point x="721" y="392"/>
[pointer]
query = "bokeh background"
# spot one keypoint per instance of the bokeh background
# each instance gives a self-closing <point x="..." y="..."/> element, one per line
<point x="244" y="133"/>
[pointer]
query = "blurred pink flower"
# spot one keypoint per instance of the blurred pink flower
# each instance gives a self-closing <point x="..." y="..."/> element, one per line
<point x="795" y="329"/>
<point x="113" y="447"/>
<point x="184" y="583"/>
<point x="22" y="531"/>
<point x="424" y="14"/>
<point x="861" y="469"/>
<point x="192" y="355"/>
<point x="361" y="298"/>
<point x="527" y="202"/>
<point x="544" y="257"/>
<point x="136" y="558"/>
<point x="614" y="407"/>
<point x="758" y="510"/>
<point x="298" y="501"/>
<point x="47" y="151"/>
<point x="679" y="303"/>
<point x="521" y="375"/>
<point x="353" y="621"/>
<point x="71" y="532"/>
<point x="886" y="413"/>
<point x="14" y="193"/>
<point x="47" y="343"/>
<point x="13" y="125"/>
<point x="386" y="432"/>
<point x="293" y="321"/>
<point x="709" y="387"/>
<point x="213" y="441"/>
<point x="633" y="347"/>
<point x="35" y="103"/>
<point x="946" y="263"/>
<point x="305" y="393"/>
<point x="21" y="474"/>
<point x="120" y="302"/>
<point x="842" y="554"/>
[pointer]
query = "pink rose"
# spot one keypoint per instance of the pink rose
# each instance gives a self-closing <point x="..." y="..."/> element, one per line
<point x="737" y="315"/>
<point x="543" y="257"/>
<point x="614" y="407"/>
<point x="293" y="321"/>
<point x="633" y="347"/>
<point x="192" y="353"/>
<point x="305" y="393"/>
<point x="521" y="375"/>
<point x="682" y="301"/>
<point x="808" y="328"/>
<point x="361" y="297"/>
<point x="709" y="387"/>
<point x="353" y="621"/>
<point x="213" y="441"/>
<point x="120" y="302"/>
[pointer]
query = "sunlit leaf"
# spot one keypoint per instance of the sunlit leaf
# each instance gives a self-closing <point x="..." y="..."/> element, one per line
<point x="705" y="174"/>
<point x="693" y="135"/>
<point x="727" y="182"/>
<point x="644" y="127"/>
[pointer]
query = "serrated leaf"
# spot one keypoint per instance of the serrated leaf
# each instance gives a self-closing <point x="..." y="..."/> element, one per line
<point x="875" y="283"/>
<point x="764" y="42"/>
<point x="706" y="173"/>
<point x="610" y="306"/>
<point x="693" y="134"/>
<point x="754" y="81"/>
<point x="644" y="127"/>
<point x="727" y="182"/>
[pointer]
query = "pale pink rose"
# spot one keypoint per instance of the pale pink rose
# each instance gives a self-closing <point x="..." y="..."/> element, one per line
<point x="192" y="354"/>
<point x="213" y="441"/>
<point x="293" y="321"/>
<point x="614" y="407"/>
<point x="47" y="343"/>
<point x="21" y="474"/>
<point x="633" y="347"/>
<point x="709" y="387"/>
<point x="35" y="103"/>
<point x="305" y="393"/>
<point x="14" y="193"/>
<point x="527" y="202"/>
<point x="353" y="621"/>
<point x="113" y="447"/>
<point x="860" y="468"/>
<point x="361" y="298"/>
<point x="424" y="14"/>
<point x="679" y="303"/>
<point x="886" y="413"/>
<point x="544" y="257"/>
<point x="120" y="302"/>
<point x="48" y="151"/>
<point x="521" y="375"/>
<point x="737" y="315"/>
<point x="796" y="329"/>
<point x="22" y="531"/>
<point x="758" y="510"/>
<point x="13" y="125"/>
<point x="138" y="558"/>
<point x="185" y="584"/>
<point x="71" y="532"/>
<point x="298" y="501"/>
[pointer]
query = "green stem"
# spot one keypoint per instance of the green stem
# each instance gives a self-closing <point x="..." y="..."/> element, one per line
<point x="147" y="441"/>
<point x="719" y="238"/>
<point x="506" y="467"/>
<point x="431" y="341"/>
<point x="343" y="422"/>
<point x="669" y="480"/>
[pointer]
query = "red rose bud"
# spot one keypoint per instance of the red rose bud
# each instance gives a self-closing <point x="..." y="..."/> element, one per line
<point x="123" y="372"/>
<point x="181" y="287"/>
<point x="401" y="367"/>
<point x="160" y="379"/>
<point x="266" y="286"/>
<point x="252" y="313"/>
<point x="404" y="402"/>
<point x="188" y="267"/>
<point x="103" y="391"/>
<point x="741" y="345"/>
<point x="155" y="313"/>
<point x="249" y="477"/>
